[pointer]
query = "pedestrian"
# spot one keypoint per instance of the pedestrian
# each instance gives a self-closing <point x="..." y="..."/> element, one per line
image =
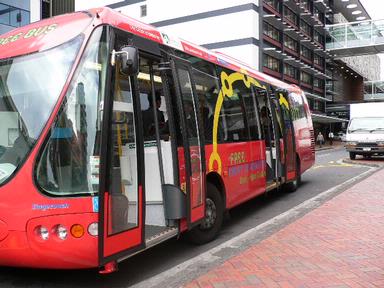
<point x="330" y="137"/>
<point x="320" y="139"/>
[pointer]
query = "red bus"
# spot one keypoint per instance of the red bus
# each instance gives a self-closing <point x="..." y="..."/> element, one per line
<point x="116" y="137"/>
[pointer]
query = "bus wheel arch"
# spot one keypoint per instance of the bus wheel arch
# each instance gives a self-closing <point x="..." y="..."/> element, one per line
<point x="293" y="185"/>
<point x="298" y="170"/>
<point x="215" y="207"/>
<point x="216" y="180"/>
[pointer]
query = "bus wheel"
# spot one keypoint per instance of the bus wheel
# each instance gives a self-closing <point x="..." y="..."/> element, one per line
<point x="214" y="213"/>
<point x="352" y="155"/>
<point x="292" y="186"/>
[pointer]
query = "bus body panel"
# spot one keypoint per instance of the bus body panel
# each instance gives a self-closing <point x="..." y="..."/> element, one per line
<point x="243" y="170"/>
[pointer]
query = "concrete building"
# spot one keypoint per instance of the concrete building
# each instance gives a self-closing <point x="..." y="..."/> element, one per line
<point x="13" y="14"/>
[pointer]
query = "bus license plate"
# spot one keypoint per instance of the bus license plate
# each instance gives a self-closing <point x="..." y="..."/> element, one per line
<point x="367" y="149"/>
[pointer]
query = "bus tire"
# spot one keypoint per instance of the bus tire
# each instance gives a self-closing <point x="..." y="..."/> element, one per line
<point x="352" y="155"/>
<point x="214" y="214"/>
<point x="293" y="185"/>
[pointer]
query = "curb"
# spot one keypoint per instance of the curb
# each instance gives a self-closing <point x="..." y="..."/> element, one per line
<point x="357" y="162"/>
<point x="328" y="148"/>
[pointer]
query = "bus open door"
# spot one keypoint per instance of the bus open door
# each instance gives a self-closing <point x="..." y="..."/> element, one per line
<point x="191" y="145"/>
<point x="122" y="198"/>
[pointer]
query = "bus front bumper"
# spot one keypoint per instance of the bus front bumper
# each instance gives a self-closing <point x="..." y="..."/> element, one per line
<point x="28" y="249"/>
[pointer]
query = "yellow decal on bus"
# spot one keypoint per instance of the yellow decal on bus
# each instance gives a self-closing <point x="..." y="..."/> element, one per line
<point x="283" y="101"/>
<point x="35" y="32"/>
<point x="226" y="91"/>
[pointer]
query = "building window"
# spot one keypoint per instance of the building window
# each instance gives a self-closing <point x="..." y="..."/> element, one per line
<point x="290" y="43"/>
<point x="318" y="83"/>
<point x="318" y="14"/>
<point x="318" y="106"/>
<point x="306" y="78"/>
<point x="272" y="63"/>
<point x="306" y="53"/>
<point x="290" y="71"/>
<point x="305" y="27"/>
<point x="273" y="3"/>
<point x="318" y="37"/>
<point x="271" y="32"/>
<point x="143" y="10"/>
<point x="318" y="60"/>
<point x="13" y="16"/>
<point x="306" y="5"/>
<point x="291" y="16"/>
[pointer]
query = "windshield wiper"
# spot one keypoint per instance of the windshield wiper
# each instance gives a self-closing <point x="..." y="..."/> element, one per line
<point x="360" y="129"/>
<point x="377" y="129"/>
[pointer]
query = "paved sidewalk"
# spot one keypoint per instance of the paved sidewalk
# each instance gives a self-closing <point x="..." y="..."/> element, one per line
<point x="327" y="146"/>
<point x="339" y="244"/>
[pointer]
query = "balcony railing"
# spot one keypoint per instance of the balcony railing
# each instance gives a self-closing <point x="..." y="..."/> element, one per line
<point x="355" y="34"/>
<point x="374" y="90"/>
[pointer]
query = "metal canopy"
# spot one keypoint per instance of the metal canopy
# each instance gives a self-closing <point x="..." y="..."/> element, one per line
<point x="326" y="119"/>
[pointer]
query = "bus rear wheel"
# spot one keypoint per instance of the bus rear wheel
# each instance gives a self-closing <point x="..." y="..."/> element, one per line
<point x="352" y="155"/>
<point x="214" y="214"/>
<point x="292" y="186"/>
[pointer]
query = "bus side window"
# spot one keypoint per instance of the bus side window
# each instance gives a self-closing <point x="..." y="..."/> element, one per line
<point x="207" y="87"/>
<point x="251" y="113"/>
<point x="232" y="114"/>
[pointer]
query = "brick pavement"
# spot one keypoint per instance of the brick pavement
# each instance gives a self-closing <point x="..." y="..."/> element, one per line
<point x="339" y="244"/>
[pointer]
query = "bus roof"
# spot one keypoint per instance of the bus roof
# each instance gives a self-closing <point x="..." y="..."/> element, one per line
<point x="43" y="35"/>
<point x="51" y="32"/>
<point x="150" y="32"/>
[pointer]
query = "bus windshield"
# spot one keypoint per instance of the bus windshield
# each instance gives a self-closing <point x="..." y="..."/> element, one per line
<point x="30" y="86"/>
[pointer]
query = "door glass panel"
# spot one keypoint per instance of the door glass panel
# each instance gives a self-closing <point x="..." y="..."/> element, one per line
<point x="190" y="109"/>
<point x="153" y="107"/>
<point x="265" y="118"/>
<point x="123" y="186"/>
<point x="290" y="153"/>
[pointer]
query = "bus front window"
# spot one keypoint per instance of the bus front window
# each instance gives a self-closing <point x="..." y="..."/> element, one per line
<point x="69" y="162"/>
<point x="30" y="86"/>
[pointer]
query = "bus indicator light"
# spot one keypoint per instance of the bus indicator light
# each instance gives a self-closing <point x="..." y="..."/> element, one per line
<point x="93" y="229"/>
<point x="77" y="231"/>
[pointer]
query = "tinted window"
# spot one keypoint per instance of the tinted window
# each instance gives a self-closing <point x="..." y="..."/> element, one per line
<point x="232" y="114"/>
<point x="207" y="88"/>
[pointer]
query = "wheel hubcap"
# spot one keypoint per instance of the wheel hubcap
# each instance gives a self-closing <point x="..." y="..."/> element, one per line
<point x="210" y="214"/>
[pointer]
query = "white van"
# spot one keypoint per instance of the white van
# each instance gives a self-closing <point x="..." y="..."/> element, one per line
<point x="365" y="133"/>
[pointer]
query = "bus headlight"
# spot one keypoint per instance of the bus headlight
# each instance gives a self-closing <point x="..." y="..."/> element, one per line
<point x="351" y="143"/>
<point x="42" y="232"/>
<point x="93" y="229"/>
<point x="61" y="232"/>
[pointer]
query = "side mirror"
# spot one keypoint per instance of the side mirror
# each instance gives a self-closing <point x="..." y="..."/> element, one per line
<point x="129" y="60"/>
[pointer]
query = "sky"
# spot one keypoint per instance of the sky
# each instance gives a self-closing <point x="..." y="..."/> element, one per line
<point x="375" y="9"/>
